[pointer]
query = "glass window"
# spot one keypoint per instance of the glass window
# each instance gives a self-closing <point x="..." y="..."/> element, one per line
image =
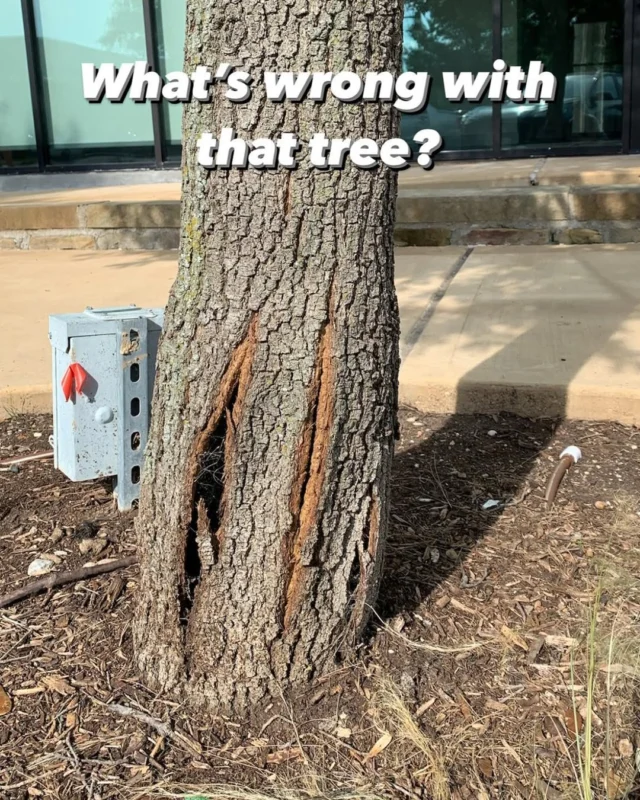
<point x="170" y="25"/>
<point x="449" y="36"/>
<point x="581" y="43"/>
<point x="72" y="32"/>
<point x="17" y="138"/>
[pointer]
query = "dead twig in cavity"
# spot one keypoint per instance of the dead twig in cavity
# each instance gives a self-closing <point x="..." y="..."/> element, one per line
<point x="157" y="724"/>
<point x="61" y="578"/>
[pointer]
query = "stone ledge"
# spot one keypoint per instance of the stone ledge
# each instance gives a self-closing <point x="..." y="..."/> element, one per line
<point x="612" y="203"/>
<point x="131" y="215"/>
<point x="560" y="232"/>
<point x="505" y="236"/>
<point x="434" y="217"/>
<point x="39" y="217"/>
<point x="504" y="206"/>
<point x="61" y="216"/>
<point x="509" y="206"/>
<point x="132" y="239"/>
<point x="578" y="236"/>
<point x="422" y="237"/>
<point x="73" y="241"/>
<point x="624" y="235"/>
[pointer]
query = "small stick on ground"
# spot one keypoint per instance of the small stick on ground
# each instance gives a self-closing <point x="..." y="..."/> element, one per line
<point x="161" y="727"/>
<point x="62" y="578"/>
<point x="26" y="459"/>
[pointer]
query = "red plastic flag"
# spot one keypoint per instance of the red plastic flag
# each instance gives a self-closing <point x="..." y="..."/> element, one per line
<point x="74" y="380"/>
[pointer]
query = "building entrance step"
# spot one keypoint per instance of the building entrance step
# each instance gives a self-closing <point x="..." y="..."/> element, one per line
<point x="528" y="202"/>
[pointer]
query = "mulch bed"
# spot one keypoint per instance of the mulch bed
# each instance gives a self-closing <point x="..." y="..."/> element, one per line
<point x="473" y="678"/>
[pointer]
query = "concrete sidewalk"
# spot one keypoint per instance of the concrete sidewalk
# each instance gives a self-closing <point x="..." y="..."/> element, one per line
<point x="533" y="330"/>
<point x="36" y="284"/>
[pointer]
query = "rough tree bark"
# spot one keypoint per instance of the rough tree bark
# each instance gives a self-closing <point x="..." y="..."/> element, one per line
<point x="264" y="500"/>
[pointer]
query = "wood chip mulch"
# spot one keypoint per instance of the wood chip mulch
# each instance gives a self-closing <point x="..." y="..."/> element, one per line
<point x="505" y="635"/>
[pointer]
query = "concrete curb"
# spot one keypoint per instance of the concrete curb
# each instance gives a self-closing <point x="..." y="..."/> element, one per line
<point x="16" y="400"/>
<point x="525" y="400"/>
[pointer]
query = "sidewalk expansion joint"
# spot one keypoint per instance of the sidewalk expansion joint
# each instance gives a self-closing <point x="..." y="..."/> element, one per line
<point x="417" y="329"/>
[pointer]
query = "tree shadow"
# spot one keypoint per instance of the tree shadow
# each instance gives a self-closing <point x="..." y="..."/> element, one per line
<point x="449" y="466"/>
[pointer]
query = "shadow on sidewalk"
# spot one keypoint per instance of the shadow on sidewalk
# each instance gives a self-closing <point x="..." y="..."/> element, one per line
<point x="457" y="465"/>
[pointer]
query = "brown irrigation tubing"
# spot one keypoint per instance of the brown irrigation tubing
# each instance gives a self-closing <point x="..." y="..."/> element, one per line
<point x="568" y="457"/>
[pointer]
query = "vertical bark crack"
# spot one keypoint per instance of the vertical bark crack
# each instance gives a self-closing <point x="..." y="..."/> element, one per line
<point x="309" y="473"/>
<point x="287" y="194"/>
<point x="211" y="470"/>
<point x="365" y="555"/>
<point x="371" y="541"/>
<point x="362" y="575"/>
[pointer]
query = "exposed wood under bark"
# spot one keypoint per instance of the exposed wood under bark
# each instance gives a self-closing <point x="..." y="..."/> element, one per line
<point x="312" y="466"/>
<point x="265" y="496"/>
<point x="211" y="468"/>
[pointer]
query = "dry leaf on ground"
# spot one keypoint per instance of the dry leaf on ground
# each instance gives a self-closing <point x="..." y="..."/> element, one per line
<point x="5" y="702"/>
<point x="573" y="721"/>
<point x="514" y="638"/>
<point x="57" y="684"/>
<point x="383" y="742"/>
<point x="288" y="754"/>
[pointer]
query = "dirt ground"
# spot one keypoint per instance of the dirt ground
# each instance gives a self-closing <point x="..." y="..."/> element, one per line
<point x="502" y="660"/>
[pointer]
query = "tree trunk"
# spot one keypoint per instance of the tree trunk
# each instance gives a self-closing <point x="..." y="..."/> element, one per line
<point x="264" y="501"/>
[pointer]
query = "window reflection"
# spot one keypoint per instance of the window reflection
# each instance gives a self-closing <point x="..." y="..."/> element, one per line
<point x="170" y="26"/>
<point x="445" y="36"/>
<point x="581" y="42"/>
<point x="71" y="32"/>
<point x="17" y="137"/>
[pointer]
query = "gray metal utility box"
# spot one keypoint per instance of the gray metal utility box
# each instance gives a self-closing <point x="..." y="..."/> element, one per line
<point x="103" y="373"/>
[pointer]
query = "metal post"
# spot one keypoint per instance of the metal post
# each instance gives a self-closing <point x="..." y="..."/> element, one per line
<point x="35" y="84"/>
<point x="496" y="115"/>
<point x="631" y="78"/>
<point x="150" y="34"/>
<point x="134" y="386"/>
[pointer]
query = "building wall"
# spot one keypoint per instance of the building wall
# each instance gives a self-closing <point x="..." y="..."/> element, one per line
<point x="582" y="41"/>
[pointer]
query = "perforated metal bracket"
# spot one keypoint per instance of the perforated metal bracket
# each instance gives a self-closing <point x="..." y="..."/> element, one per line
<point x="103" y="375"/>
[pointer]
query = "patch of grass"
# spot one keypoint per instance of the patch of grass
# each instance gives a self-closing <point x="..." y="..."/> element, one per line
<point x="226" y="792"/>
<point x="14" y="412"/>
<point x="610" y="664"/>
<point x="392" y="713"/>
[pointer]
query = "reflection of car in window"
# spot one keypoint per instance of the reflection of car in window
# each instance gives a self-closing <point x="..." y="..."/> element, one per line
<point x="446" y="122"/>
<point x="591" y="108"/>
